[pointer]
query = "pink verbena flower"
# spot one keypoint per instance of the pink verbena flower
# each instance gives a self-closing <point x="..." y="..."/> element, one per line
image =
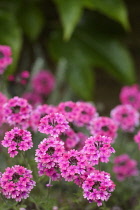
<point x="23" y="77"/>
<point x="98" y="187"/>
<point x="103" y="126"/>
<point x="25" y="74"/>
<point x="70" y="139"/>
<point x="98" y="148"/>
<point x="73" y="140"/>
<point x="69" y="109"/>
<point x="131" y="95"/>
<point x="16" y="183"/>
<point x="40" y="112"/>
<point x="72" y="165"/>
<point x="81" y="143"/>
<point x="86" y="113"/>
<point x="53" y="124"/>
<point x="17" y="139"/>
<point x="11" y="78"/>
<point x="5" y="57"/>
<point x="47" y="157"/>
<point x="124" y="167"/>
<point x="137" y="139"/>
<point x="17" y="111"/>
<point x="43" y="82"/>
<point x="126" y="117"/>
<point x="82" y="177"/>
<point x="33" y="98"/>
<point x="3" y="100"/>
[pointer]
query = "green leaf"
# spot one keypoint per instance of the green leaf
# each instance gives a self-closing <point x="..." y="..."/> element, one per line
<point x="81" y="79"/>
<point x="70" y="12"/>
<point x="86" y="49"/>
<point x="114" y="9"/>
<point x="31" y="21"/>
<point x="109" y="54"/>
<point x="10" y="34"/>
<point x="79" y="70"/>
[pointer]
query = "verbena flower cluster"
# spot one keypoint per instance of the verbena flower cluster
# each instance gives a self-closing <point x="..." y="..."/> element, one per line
<point x="77" y="143"/>
<point x="126" y="117"/>
<point x="124" y="167"/>
<point x="16" y="140"/>
<point x="17" y="112"/>
<point x="98" y="187"/>
<point x="16" y="183"/>
<point x="104" y="126"/>
<point x="58" y="156"/>
<point x="5" y="57"/>
<point x="131" y="95"/>
<point x="137" y="139"/>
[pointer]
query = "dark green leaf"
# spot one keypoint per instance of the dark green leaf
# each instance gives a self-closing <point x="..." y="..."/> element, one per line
<point x="10" y="34"/>
<point x="70" y="12"/>
<point x="114" y="9"/>
<point x="81" y="79"/>
<point x="96" y="50"/>
<point x="109" y="54"/>
<point x="79" y="71"/>
<point x="32" y="21"/>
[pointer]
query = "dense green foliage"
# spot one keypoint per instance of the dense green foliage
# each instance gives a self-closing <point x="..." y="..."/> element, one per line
<point x="84" y="33"/>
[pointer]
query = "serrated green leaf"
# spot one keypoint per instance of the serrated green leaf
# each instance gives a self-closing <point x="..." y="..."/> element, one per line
<point x="10" y="34"/>
<point x="114" y="9"/>
<point x="31" y="21"/>
<point x="70" y="12"/>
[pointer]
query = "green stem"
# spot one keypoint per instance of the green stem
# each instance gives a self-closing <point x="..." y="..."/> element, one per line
<point x="99" y="164"/>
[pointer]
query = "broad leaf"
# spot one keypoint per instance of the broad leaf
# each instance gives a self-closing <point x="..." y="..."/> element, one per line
<point x="10" y="34"/>
<point x="79" y="70"/>
<point x="70" y="12"/>
<point x="109" y="54"/>
<point x="114" y="9"/>
<point x="31" y="21"/>
<point x="98" y="51"/>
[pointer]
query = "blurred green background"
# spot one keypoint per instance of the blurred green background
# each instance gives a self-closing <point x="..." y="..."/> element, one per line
<point x="92" y="46"/>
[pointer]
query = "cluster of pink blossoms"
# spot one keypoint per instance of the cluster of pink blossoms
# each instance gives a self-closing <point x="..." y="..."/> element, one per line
<point x="69" y="110"/>
<point x="3" y="100"/>
<point x="64" y="155"/>
<point x="40" y="112"/>
<point x="21" y="78"/>
<point x="137" y="139"/>
<point x="72" y="165"/>
<point x="98" y="148"/>
<point x="47" y="156"/>
<point x="17" y="139"/>
<point x="66" y="152"/>
<point x="5" y="57"/>
<point x="98" y="187"/>
<point x="73" y="140"/>
<point x="103" y="126"/>
<point x="126" y="117"/>
<point x="33" y="98"/>
<point x="86" y="112"/>
<point x="17" y="112"/>
<point x="53" y="124"/>
<point x="131" y="95"/>
<point x="16" y="183"/>
<point x="124" y="167"/>
<point x="43" y="82"/>
<point x="78" y="113"/>
<point x="53" y="161"/>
